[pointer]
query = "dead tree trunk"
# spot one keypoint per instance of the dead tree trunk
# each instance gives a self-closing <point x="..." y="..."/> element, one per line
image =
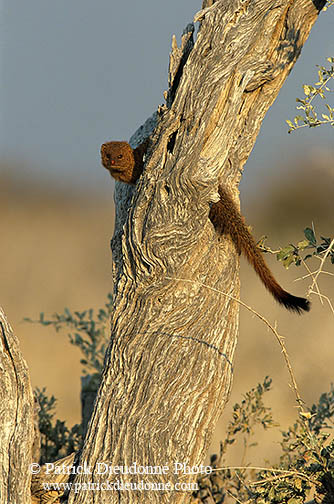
<point x="169" y="368"/>
<point x="16" y="420"/>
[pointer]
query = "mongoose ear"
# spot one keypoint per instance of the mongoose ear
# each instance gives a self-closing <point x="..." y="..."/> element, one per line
<point x="214" y="197"/>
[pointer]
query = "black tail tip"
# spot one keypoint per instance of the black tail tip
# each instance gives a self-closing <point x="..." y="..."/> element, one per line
<point x="294" y="303"/>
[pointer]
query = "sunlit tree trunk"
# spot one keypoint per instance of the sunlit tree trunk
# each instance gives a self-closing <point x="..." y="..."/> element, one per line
<point x="169" y="369"/>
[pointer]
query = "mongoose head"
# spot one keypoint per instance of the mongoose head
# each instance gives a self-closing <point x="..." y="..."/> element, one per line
<point x="118" y="158"/>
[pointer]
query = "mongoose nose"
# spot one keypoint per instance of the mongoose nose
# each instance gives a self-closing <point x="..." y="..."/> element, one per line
<point x="112" y="162"/>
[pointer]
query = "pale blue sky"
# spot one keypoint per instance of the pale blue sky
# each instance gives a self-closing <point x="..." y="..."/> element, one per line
<point x="77" y="72"/>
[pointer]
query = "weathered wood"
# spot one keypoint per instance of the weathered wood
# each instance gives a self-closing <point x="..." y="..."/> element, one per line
<point x="48" y="486"/>
<point x="16" y="419"/>
<point x="174" y="329"/>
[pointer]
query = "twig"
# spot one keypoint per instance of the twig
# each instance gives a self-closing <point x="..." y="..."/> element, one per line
<point x="313" y="278"/>
<point x="283" y="473"/>
<point x="312" y="273"/>
<point x="330" y="247"/>
<point x="290" y="473"/>
<point x="326" y="298"/>
<point x="233" y="496"/>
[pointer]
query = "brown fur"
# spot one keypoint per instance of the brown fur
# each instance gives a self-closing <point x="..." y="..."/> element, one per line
<point x="226" y="218"/>
<point x="126" y="165"/>
<point x="123" y="163"/>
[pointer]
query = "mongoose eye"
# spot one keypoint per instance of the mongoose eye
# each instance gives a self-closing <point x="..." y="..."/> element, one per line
<point x="119" y="156"/>
<point x="108" y="156"/>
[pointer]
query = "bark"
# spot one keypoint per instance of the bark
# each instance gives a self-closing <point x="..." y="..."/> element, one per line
<point x="169" y="368"/>
<point x="16" y="420"/>
<point x="49" y="483"/>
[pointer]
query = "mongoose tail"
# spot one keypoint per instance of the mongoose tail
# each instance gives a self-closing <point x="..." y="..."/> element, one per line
<point x="226" y="218"/>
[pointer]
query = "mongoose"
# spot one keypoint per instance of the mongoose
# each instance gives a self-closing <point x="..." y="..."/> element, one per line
<point x="126" y="164"/>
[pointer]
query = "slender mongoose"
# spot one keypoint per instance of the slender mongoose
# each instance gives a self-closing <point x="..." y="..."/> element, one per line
<point x="126" y="164"/>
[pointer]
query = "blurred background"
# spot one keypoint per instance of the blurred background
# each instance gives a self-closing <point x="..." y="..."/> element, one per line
<point x="79" y="73"/>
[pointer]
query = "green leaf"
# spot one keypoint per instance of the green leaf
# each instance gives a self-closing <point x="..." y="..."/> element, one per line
<point x="285" y="252"/>
<point x="303" y="244"/>
<point x="309" y="234"/>
<point x="288" y="261"/>
<point x="307" y="89"/>
<point x="271" y="494"/>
